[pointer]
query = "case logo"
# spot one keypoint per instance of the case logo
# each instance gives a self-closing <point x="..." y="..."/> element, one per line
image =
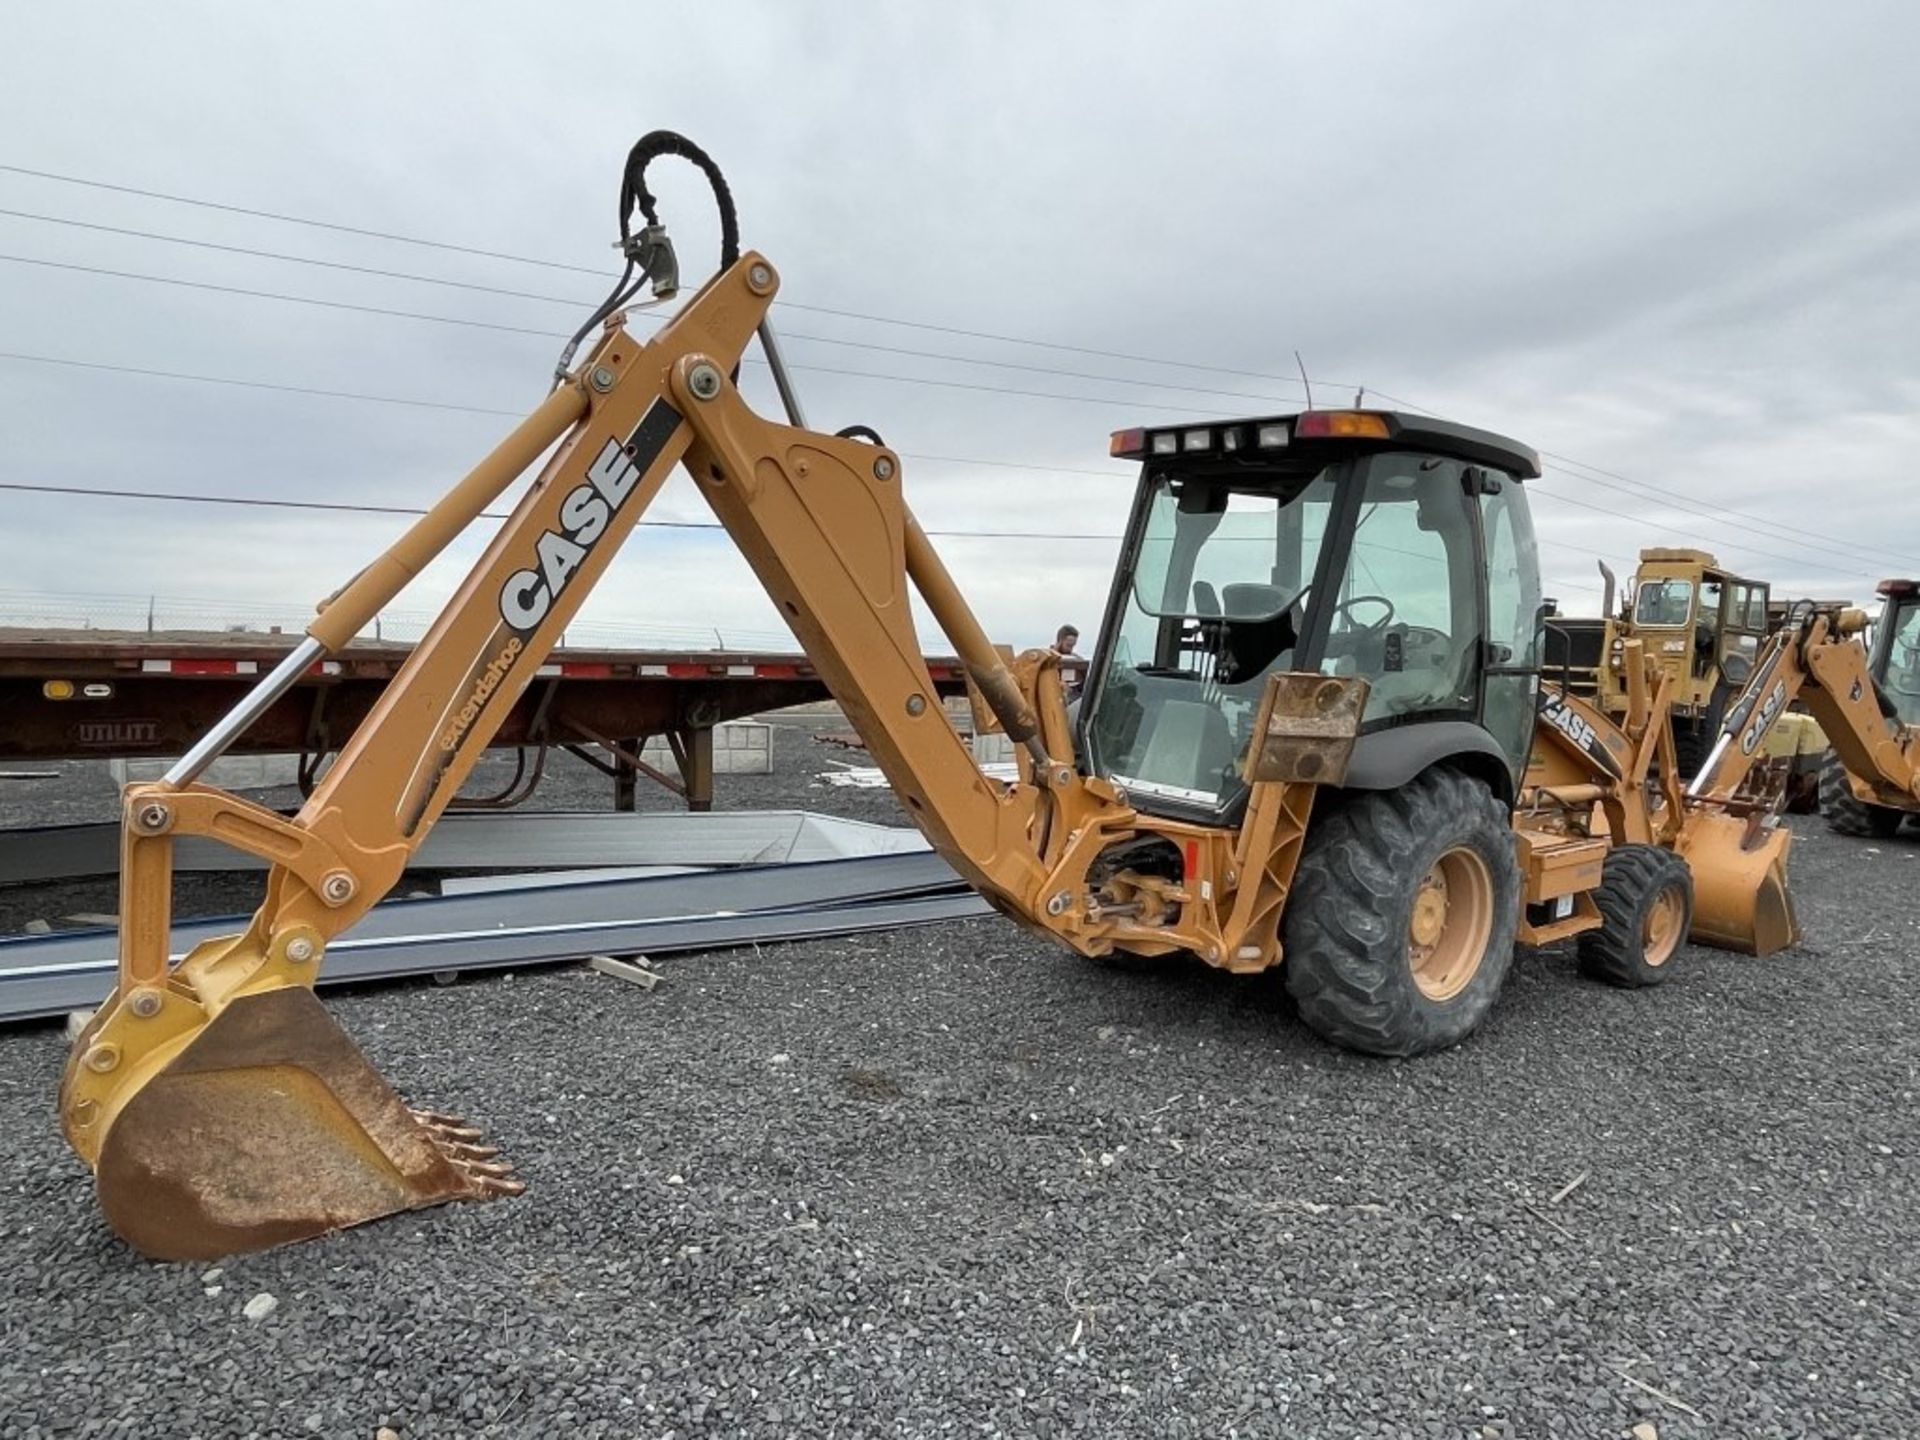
<point x="585" y="515"/>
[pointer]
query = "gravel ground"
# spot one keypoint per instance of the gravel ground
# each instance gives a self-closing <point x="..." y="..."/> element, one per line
<point x="953" y="1182"/>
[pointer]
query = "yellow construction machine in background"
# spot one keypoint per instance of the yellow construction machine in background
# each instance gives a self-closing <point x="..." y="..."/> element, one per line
<point x="1870" y="788"/>
<point x="1702" y="626"/>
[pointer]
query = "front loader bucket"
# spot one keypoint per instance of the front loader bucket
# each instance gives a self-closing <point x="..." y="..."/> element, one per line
<point x="1740" y="896"/>
<point x="271" y="1126"/>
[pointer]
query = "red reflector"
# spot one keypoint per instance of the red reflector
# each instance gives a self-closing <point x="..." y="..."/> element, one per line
<point x="1340" y="425"/>
<point x="586" y="669"/>
<point x="1191" y="858"/>
<point x="1128" y="444"/>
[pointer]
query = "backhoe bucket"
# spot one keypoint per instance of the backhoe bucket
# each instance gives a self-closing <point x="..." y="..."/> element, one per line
<point x="271" y="1126"/>
<point x="1740" y="896"/>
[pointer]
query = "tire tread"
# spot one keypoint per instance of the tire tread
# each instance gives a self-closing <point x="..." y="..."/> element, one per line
<point x="1345" y="920"/>
<point x="1847" y="814"/>
<point x="1631" y="876"/>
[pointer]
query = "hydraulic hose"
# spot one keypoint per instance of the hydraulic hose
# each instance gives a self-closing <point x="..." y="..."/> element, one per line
<point x="634" y="195"/>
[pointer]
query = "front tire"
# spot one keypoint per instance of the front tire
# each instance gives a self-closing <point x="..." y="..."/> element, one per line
<point x="1399" y="931"/>
<point x="1847" y="815"/>
<point x="1646" y="908"/>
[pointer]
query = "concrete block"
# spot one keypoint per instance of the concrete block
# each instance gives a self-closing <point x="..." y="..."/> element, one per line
<point x="991" y="749"/>
<point x="740" y="747"/>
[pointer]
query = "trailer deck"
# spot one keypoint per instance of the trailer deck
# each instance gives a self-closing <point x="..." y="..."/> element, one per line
<point x="79" y="694"/>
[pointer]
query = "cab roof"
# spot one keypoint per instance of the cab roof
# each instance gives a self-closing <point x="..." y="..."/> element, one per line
<point x="1324" y="431"/>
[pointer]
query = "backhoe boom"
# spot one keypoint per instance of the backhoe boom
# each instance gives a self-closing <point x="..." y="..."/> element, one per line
<point x="1816" y="658"/>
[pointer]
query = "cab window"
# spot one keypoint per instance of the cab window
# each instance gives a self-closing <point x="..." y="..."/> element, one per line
<point x="1663" y="602"/>
<point x="1902" y="683"/>
<point x="1406" y="614"/>
<point x="1218" y="600"/>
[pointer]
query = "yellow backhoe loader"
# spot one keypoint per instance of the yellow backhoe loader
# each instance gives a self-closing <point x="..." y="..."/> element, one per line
<point x="1301" y="742"/>
<point x="1869" y="789"/>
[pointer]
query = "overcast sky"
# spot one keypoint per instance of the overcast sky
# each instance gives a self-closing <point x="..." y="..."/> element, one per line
<point x="1674" y="245"/>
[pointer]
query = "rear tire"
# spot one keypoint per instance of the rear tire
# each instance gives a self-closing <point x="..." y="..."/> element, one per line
<point x="1399" y="930"/>
<point x="1848" y="815"/>
<point x="1646" y="906"/>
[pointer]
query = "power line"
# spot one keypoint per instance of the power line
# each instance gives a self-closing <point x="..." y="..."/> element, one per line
<point x="574" y="302"/>
<point x="1644" y="489"/>
<point x="255" y="384"/>
<point x="514" y="414"/>
<point x="357" y="508"/>
<point x="1847" y="547"/>
<point x="432" y="244"/>
<point x="278" y="295"/>
<point x="293" y="219"/>
<point x="579" y="302"/>
<point x="1799" y="560"/>
<point x="1608" y="481"/>
<point x="475" y="409"/>
<point x="1776" y="530"/>
<point x="1718" y="516"/>
<point x="1814" y="561"/>
<point x="336" y="506"/>
<point x="390" y="313"/>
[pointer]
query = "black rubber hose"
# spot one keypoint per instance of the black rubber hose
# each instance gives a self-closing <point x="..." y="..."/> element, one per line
<point x="634" y="193"/>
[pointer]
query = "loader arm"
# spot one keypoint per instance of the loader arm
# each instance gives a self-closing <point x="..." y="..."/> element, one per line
<point x="1583" y="757"/>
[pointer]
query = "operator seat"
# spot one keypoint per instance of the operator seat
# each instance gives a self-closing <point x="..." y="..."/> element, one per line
<point x="1259" y="630"/>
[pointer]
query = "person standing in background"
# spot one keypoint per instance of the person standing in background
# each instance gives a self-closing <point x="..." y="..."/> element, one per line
<point x="1073" y="668"/>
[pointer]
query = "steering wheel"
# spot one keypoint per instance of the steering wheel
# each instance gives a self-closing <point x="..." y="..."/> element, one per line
<point x="1352" y="600"/>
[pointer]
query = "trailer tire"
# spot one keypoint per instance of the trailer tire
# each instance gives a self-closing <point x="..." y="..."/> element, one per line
<point x="1399" y="929"/>
<point x="1645" y="900"/>
<point x="1848" y="815"/>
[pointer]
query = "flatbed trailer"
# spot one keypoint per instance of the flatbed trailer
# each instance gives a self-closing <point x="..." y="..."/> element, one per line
<point x="73" y="694"/>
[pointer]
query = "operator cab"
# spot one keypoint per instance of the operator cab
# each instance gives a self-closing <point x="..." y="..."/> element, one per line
<point x="1722" y="618"/>
<point x="1354" y="542"/>
<point x="1896" y="648"/>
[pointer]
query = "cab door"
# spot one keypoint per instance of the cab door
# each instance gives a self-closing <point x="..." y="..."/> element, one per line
<point x="1744" y="628"/>
<point x="1515" y="621"/>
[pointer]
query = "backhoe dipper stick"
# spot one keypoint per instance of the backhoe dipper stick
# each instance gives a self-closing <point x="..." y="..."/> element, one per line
<point x="958" y="623"/>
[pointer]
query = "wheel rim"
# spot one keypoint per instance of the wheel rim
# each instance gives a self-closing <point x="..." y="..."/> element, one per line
<point x="1660" y="931"/>
<point x="1451" y="921"/>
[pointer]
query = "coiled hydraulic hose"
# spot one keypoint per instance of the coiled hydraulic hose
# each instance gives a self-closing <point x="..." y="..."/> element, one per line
<point x="648" y="255"/>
